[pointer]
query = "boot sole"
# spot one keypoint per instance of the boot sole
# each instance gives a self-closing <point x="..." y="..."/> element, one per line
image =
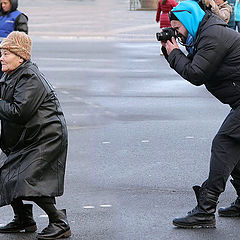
<point x="229" y="215"/>
<point x="31" y="229"/>
<point x="63" y="235"/>
<point x="211" y="225"/>
<point x="23" y="230"/>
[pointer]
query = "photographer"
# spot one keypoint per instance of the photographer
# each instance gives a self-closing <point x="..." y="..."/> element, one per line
<point x="213" y="60"/>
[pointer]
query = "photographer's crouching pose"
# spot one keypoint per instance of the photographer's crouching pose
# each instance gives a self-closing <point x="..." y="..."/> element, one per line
<point x="213" y="60"/>
<point x="33" y="142"/>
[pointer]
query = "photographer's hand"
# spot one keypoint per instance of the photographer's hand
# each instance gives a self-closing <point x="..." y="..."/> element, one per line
<point x="171" y="45"/>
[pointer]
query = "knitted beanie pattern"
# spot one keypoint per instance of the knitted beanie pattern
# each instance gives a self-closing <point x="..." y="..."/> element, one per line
<point x="18" y="43"/>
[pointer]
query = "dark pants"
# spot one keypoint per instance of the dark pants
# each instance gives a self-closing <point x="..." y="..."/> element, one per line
<point x="225" y="153"/>
<point x="237" y="24"/>
<point x="40" y="199"/>
<point x="47" y="204"/>
<point x="18" y="202"/>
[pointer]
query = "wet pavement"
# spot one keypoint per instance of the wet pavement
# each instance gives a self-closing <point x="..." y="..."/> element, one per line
<point x="101" y="20"/>
<point x="139" y="135"/>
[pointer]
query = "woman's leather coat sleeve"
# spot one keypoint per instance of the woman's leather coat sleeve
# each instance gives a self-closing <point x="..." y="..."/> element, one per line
<point x="28" y="94"/>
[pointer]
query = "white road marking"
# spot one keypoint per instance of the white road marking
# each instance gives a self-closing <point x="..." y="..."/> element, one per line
<point x="80" y="114"/>
<point x="65" y="92"/>
<point x="105" y="205"/>
<point x="88" y="207"/>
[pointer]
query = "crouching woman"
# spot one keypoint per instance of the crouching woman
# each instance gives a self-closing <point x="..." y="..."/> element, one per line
<point x="33" y="141"/>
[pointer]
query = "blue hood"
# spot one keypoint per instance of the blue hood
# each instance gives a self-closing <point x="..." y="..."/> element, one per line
<point x="190" y="14"/>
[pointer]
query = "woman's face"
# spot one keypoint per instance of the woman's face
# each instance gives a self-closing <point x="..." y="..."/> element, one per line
<point x="10" y="61"/>
<point x="6" y="5"/>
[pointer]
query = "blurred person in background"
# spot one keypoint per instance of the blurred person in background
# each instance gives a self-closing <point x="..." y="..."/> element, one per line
<point x="221" y="8"/>
<point x="231" y="22"/>
<point x="164" y="6"/>
<point x="237" y="15"/>
<point x="33" y="142"/>
<point x="11" y="20"/>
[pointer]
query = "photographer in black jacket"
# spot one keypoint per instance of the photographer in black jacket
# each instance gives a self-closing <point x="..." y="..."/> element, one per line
<point x="213" y="60"/>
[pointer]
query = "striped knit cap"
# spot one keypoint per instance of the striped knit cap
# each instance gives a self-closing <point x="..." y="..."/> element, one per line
<point x="18" y="43"/>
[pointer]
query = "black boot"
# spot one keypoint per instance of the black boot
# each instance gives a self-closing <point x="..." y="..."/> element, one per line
<point x="202" y="216"/>
<point x="58" y="227"/>
<point x="234" y="209"/>
<point x="22" y="221"/>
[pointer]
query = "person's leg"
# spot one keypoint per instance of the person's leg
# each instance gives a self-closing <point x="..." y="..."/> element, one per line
<point x="49" y="208"/>
<point x="23" y="219"/>
<point x="233" y="26"/>
<point x="236" y="178"/>
<point x="238" y="26"/>
<point x="225" y="154"/>
<point x="58" y="225"/>
<point x="234" y="209"/>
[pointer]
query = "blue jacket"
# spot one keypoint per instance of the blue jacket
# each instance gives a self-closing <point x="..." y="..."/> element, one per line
<point x="237" y="11"/>
<point x="7" y="23"/>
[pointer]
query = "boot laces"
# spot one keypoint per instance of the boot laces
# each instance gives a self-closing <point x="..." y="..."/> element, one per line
<point x="193" y="210"/>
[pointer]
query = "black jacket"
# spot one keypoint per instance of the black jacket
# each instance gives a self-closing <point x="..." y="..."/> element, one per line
<point x="33" y="136"/>
<point x="216" y="61"/>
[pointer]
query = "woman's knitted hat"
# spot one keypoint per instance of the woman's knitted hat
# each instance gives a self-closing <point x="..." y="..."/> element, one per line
<point x="18" y="43"/>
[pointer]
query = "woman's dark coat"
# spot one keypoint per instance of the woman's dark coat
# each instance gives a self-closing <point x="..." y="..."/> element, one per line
<point x="33" y="136"/>
<point x="215" y="62"/>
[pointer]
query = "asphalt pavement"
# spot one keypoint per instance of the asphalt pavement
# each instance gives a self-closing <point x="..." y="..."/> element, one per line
<point x="88" y="20"/>
<point x="139" y="135"/>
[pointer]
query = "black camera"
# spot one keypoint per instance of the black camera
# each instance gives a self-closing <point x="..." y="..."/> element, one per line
<point x="166" y="34"/>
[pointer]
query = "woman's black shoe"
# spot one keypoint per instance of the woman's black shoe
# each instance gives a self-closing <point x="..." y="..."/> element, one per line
<point x="57" y="229"/>
<point x="22" y="221"/>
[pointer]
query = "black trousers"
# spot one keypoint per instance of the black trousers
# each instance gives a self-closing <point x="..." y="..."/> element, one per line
<point x="225" y="153"/>
<point x="38" y="200"/>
